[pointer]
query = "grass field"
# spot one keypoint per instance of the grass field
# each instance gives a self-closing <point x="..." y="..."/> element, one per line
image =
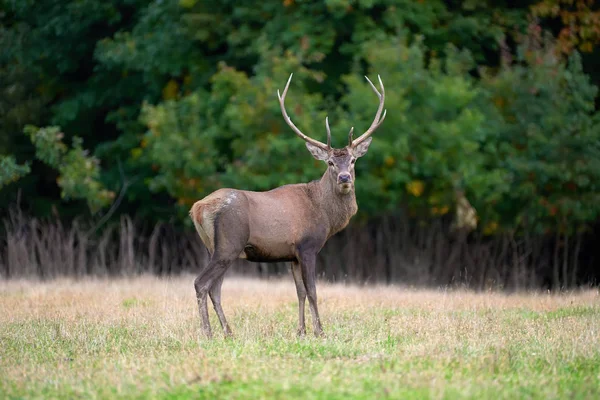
<point x="140" y="338"/>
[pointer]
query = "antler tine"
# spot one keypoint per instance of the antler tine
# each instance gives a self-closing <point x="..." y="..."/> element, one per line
<point x="377" y="121"/>
<point x="328" y="132"/>
<point x="350" y="136"/>
<point x="289" y="121"/>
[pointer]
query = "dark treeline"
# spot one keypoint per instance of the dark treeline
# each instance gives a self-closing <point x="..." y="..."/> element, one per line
<point x="486" y="171"/>
<point x="386" y="250"/>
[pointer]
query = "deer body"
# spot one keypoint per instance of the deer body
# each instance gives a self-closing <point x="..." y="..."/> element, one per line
<point x="293" y="214"/>
<point x="290" y="223"/>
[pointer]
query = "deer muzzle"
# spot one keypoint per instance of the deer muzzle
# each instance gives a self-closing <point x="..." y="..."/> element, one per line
<point x="344" y="177"/>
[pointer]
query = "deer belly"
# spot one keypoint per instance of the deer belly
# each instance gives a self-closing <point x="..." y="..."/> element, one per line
<point x="272" y="253"/>
<point x="272" y="233"/>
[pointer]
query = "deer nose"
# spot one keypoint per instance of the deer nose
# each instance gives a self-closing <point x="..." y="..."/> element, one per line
<point x="344" y="178"/>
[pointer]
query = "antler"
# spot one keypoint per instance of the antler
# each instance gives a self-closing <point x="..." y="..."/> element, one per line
<point x="294" y="128"/>
<point x="328" y="132"/>
<point x="376" y="122"/>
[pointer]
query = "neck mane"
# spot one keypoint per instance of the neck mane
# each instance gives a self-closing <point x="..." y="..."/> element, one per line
<point x="336" y="208"/>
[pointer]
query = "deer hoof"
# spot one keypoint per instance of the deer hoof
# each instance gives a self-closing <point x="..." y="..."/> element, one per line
<point x="301" y="332"/>
<point x="207" y="333"/>
<point x="229" y="335"/>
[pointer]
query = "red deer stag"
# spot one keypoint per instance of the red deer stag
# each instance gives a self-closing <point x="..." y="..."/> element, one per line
<point x="289" y="223"/>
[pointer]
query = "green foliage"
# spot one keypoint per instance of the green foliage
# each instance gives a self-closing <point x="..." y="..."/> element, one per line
<point x="79" y="173"/>
<point x="48" y="142"/>
<point x="430" y="144"/>
<point x="10" y="171"/>
<point x="182" y="95"/>
<point x="548" y="140"/>
<point x="245" y="143"/>
<point x="208" y="140"/>
<point x="48" y="48"/>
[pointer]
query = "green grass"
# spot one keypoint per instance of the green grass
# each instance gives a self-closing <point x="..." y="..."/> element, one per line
<point x="141" y="339"/>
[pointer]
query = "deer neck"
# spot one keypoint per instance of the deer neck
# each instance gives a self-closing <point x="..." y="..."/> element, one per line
<point x="337" y="208"/>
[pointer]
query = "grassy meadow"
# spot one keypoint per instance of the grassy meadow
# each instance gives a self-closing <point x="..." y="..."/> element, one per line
<point x="141" y="338"/>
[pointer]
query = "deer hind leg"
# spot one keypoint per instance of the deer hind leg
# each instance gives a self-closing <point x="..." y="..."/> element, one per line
<point x="230" y="237"/>
<point x="308" y="261"/>
<point x="301" y="292"/>
<point x="209" y="282"/>
<point x="215" y="296"/>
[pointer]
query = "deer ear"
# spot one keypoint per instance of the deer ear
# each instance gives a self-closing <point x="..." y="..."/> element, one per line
<point x="317" y="152"/>
<point x="362" y="148"/>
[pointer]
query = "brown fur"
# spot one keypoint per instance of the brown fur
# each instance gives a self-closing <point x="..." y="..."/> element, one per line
<point x="196" y="212"/>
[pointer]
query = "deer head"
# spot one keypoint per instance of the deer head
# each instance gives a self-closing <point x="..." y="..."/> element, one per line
<point x="340" y="161"/>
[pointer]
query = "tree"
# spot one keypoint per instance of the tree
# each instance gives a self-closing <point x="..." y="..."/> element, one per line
<point x="549" y="138"/>
<point x="578" y="23"/>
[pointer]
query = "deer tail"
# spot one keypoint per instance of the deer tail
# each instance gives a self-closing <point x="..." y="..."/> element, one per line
<point x="197" y="216"/>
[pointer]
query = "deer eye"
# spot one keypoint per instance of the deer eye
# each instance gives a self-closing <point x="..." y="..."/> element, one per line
<point x="353" y="161"/>
<point x="330" y="163"/>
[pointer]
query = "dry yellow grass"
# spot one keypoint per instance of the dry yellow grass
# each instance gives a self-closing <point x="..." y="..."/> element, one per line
<point x="141" y="337"/>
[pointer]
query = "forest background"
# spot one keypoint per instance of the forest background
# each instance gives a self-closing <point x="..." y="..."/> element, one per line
<point x="115" y="116"/>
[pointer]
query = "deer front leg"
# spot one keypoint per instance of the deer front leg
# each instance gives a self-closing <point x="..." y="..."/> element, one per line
<point x="301" y="292"/>
<point x="308" y="260"/>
